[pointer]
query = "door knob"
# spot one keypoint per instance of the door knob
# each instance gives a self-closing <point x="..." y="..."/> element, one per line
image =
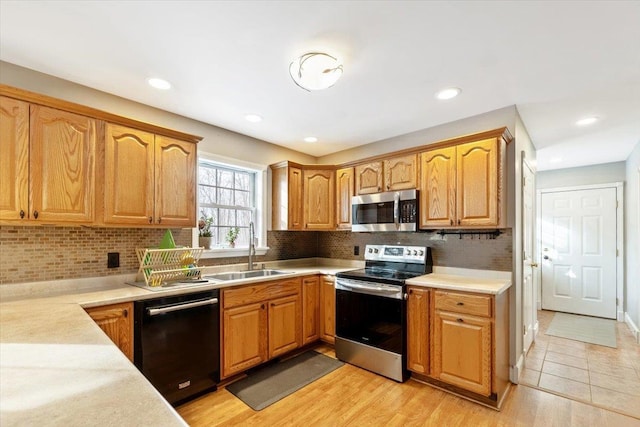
<point x="546" y="257"/>
<point x="534" y="264"/>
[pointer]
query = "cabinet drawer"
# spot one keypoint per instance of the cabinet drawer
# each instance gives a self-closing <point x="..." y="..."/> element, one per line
<point x="249" y="294"/>
<point x="478" y="305"/>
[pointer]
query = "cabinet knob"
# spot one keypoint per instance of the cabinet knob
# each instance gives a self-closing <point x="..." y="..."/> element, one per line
<point x="159" y="220"/>
<point x="411" y="291"/>
<point x="460" y="320"/>
<point x="458" y="222"/>
<point x="21" y="214"/>
<point x="150" y="220"/>
<point x="35" y="214"/>
<point x="262" y="307"/>
<point x="125" y="313"/>
<point x="451" y="221"/>
<point x="460" y="303"/>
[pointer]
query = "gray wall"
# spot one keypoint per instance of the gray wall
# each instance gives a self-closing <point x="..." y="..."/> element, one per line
<point x="585" y="175"/>
<point x="632" y="242"/>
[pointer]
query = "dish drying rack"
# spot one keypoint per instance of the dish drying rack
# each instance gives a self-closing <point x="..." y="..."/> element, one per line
<point x="160" y="266"/>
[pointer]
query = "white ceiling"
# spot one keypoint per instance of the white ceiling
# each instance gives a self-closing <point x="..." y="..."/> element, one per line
<point x="556" y="61"/>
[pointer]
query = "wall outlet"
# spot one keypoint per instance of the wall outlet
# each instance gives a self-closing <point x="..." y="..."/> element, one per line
<point x="356" y="250"/>
<point x="113" y="259"/>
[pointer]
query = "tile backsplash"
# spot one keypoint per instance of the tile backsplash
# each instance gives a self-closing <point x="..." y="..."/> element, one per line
<point x="31" y="254"/>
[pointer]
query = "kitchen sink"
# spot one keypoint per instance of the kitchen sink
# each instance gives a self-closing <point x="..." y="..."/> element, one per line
<point x="238" y="275"/>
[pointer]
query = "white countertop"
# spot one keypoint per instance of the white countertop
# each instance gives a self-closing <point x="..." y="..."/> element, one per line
<point x="467" y="280"/>
<point x="58" y="368"/>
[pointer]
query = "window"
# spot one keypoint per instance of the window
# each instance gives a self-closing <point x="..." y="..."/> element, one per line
<point x="228" y="195"/>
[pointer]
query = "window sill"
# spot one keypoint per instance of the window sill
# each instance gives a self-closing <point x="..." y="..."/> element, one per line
<point x="230" y="252"/>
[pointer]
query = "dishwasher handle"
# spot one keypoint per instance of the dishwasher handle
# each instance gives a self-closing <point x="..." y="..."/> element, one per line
<point x="169" y="309"/>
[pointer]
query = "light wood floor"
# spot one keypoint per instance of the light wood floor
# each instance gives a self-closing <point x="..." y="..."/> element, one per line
<point x="351" y="396"/>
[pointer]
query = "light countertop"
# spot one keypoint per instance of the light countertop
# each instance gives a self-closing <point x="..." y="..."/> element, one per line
<point x="467" y="280"/>
<point x="57" y="367"/>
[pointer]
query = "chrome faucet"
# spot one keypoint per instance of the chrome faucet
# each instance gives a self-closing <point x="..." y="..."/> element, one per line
<point x="252" y="245"/>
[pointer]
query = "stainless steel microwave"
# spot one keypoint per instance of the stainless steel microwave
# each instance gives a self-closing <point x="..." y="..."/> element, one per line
<point x="390" y="211"/>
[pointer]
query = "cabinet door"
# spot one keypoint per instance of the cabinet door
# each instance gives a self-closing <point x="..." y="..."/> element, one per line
<point x="401" y="173"/>
<point x="462" y="351"/>
<point x="284" y="325"/>
<point x="477" y="183"/>
<point x="244" y="338"/>
<point x="295" y="211"/>
<point x="344" y="193"/>
<point x="319" y="190"/>
<point x="128" y="176"/>
<point x="328" y="310"/>
<point x="369" y="178"/>
<point x="175" y="175"/>
<point x="14" y="159"/>
<point x="418" y="330"/>
<point x="438" y="181"/>
<point x="116" y="320"/>
<point x="62" y="166"/>
<point x="310" y="309"/>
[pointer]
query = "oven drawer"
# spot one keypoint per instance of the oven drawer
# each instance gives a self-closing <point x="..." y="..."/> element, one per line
<point x="478" y="305"/>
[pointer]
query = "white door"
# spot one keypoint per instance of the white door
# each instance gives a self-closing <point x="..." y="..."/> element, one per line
<point x="578" y="251"/>
<point x="528" y="265"/>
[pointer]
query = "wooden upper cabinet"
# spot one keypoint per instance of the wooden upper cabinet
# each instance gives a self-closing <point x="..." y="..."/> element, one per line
<point x="286" y="209"/>
<point x="477" y="183"/>
<point x="438" y="181"/>
<point x="129" y="176"/>
<point x="149" y="179"/>
<point x="344" y="193"/>
<point x="319" y="196"/>
<point x="369" y="178"/>
<point x="175" y="173"/>
<point x="62" y="166"/>
<point x="462" y="185"/>
<point x="401" y="173"/>
<point x="14" y="159"/>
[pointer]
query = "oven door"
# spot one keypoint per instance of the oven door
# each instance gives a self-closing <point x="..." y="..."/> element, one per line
<point x="371" y="317"/>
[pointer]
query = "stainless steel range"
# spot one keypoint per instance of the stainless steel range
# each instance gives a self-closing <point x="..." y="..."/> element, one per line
<point x="371" y="308"/>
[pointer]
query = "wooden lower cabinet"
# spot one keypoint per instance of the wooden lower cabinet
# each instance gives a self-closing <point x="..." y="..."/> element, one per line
<point x="418" y="330"/>
<point x="310" y="309"/>
<point x="116" y="320"/>
<point x="328" y="309"/>
<point x="259" y="322"/>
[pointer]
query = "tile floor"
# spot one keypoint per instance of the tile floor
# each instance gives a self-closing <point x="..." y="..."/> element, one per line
<point x="604" y="376"/>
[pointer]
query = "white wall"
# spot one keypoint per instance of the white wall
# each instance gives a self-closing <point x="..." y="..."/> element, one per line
<point x="218" y="141"/>
<point x="585" y="175"/>
<point x="632" y="242"/>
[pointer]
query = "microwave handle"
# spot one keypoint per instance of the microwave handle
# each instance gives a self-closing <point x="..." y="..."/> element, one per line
<point x="396" y="210"/>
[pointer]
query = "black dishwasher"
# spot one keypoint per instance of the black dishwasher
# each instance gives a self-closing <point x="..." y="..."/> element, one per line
<point x="176" y="343"/>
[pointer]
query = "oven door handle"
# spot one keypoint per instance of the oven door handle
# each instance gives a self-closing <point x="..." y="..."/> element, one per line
<point x="369" y="288"/>
<point x="169" y="309"/>
<point x="396" y="210"/>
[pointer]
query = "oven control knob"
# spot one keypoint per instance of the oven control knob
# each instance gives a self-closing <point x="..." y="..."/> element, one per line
<point x="421" y="253"/>
<point x="375" y="251"/>
<point x="370" y="250"/>
<point x="415" y="252"/>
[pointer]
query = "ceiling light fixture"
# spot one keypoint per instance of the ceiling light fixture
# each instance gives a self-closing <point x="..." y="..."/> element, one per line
<point x="159" y="83"/>
<point x="311" y="139"/>
<point x="253" y="118"/>
<point x="315" y="71"/>
<point x="587" y="121"/>
<point x="448" y="93"/>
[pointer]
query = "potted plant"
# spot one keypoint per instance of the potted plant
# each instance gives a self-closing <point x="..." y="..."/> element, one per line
<point x="232" y="235"/>
<point x="204" y="226"/>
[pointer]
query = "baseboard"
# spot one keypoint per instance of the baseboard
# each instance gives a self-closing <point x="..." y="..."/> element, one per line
<point x="634" y="328"/>
<point x="536" y="329"/>
<point x="514" y="371"/>
<point x="539" y="305"/>
<point x="620" y="315"/>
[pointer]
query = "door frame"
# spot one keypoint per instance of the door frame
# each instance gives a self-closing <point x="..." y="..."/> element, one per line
<point x="534" y="266"/>
<point x="619" y="187"/>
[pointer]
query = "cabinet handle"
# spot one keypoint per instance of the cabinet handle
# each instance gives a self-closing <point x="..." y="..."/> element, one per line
<point x="379" y="188"/>
<point x="460" y="303"/>
<point x="460" y="320"/>
<point x="262" y="307"/>
<point x="388" y="186"/>
<point x="125" y="313"/>
<point x="35" y="214"/>
<point x="159" y="220"/>
<point x="150" y="220"/>
<point x="451" y="221"/>
<point x="411" y="291"/>
<point x="458" y="222"/>
<point x="21" y="214"/>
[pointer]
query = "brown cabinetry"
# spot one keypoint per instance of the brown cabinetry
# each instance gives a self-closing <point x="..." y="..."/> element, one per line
<point x="401" y="173"/>
<point x="310" y="309"/>
<point x="344" y="192"/>
<point x="259" y="322"/>
<point x="328" y="309"/>
<point x="418" y="329"/>
<point x="319" y="194"/>
<point x="369" y="178"/>
<point x="48" y="164"/>
<point x="149" y="179"/>
<point x="116" y="320"/>
<point x="287" y="211"/>
<point x="462" y="185"/>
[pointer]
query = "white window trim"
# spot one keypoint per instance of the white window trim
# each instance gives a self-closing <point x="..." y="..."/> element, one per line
<point x="261" y="217"/>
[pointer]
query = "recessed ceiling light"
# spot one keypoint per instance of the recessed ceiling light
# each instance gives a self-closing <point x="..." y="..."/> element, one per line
<point x="159" y="83"/>
<point x="587" y="121"/>
<point x="555" y="159"/>
<point x="448" y="93"/>
<point x="311" y="139"/>
<point x="253" y="118"/>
